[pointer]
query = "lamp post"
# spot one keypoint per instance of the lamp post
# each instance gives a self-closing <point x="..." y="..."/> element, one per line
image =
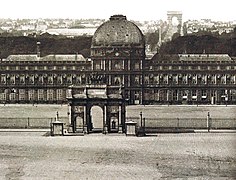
<point x="144" y="126"/>
<point x="208" y="122"/>
<point x="141" y="119"/>
<point x="57" y="116"/>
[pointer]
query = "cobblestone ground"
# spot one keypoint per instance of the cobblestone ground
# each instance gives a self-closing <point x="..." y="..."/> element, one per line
<point x="29" y="155"/>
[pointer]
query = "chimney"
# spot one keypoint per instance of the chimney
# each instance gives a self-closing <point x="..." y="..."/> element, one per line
<point x="38" y="49"/>
<point x="76" y="56"/>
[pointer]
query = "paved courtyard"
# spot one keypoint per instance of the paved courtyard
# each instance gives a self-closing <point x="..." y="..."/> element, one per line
<point x="30" y="155"/>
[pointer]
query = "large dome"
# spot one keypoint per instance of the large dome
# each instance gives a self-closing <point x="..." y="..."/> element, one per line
<point x="117" y="31"/>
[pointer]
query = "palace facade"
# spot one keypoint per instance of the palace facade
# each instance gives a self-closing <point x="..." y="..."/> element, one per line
<point x="118" y="58"/>
<point x="34" y="79"/>
<point x="190" y="79"/>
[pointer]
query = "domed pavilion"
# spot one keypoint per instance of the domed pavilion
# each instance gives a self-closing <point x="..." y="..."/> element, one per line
<point x="117" y="53"/>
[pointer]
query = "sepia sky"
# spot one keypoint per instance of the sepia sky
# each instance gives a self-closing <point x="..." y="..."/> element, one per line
<point x="133" y="9"/>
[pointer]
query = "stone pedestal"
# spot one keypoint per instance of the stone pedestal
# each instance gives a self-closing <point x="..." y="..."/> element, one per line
<point x="130" y="128"/>
<point x="57" y="128"/>
<point x="120" y="131"/>
<point x="105" y="129"/>
<point x="85" y="129"/>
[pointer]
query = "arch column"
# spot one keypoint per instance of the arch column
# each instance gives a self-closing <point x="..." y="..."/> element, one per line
<point x="105" y="119"/>
<point x="85" y="127"/>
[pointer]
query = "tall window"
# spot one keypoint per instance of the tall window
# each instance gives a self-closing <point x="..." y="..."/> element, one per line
<point x="22" y="79"/>
<point x="204" y="93"/>
<point x="31" y="79"/>
<point x="97" y="65"/>
<point x="59" y="79"/>
<point x="136" y="79"/>
<point x="175" y="79"/>
<point x="165" y="79"/>
<point x="194" y="94"/>
<point x="118" y="65"/>
<point x="223" y="79"/>
<point x="12" y="79"/>
<point x="175" y="95"/>
<point x="59" y="94"/>
<point x="40" y="94"/>
<point x="3" y="96"/>
<point x="78" y="79"/>
<point x="194" y="79"/>
<point x="21" y="94"/>
<point x="3" y="79"/>
<point x="136" y="66"/>
<point x="31" y="95"/>
<point x="50" y="79"/>
<point x="185" y="94"/>
<point x="185" y="79"/>
<point x="50" y="94"/>
<point x="146" y="79"/>
<point x="213" y="79"/>
<point x="117" y="80"/>
<point x="156" y="79"/>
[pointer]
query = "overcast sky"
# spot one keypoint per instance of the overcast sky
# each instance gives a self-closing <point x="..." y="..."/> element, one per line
<point x="134" y="9"/>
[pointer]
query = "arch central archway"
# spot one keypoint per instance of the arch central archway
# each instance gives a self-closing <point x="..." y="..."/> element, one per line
<point x="174" y="21"/>
<point x="97" y="108"/>
<point x="97" y="118"/>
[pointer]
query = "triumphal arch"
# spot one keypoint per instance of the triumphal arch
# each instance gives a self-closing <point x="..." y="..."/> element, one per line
<point x="97" y="108"/>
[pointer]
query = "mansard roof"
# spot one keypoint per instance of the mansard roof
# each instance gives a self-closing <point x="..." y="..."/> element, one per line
<point x="57" y="57"/>
<point x="193" y="57"/>
<point x="63" y="57"/>
<point x="204" y="57"/>
<point x="22" y="57"/>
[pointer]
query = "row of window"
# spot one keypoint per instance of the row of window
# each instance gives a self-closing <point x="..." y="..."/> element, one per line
<point x="195" y="62"/>
<point x="103" y="52"/>
<point x="117" y="80"/>
<point x="48" y="81"/>
<point x="115" y="65"/>
<point x="42" y="68"/>
<point x="192" y="67"/>
<point x="40" y="94"/>
<point x="193" y="79"/>
<point x="186" y="94"/>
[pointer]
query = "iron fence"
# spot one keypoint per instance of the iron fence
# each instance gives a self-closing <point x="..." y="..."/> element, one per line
<point x="185" y="123"/>
<point x="29" y="122"/>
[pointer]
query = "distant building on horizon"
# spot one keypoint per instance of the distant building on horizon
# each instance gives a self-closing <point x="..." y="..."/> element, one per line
<point x="175" y="24"/>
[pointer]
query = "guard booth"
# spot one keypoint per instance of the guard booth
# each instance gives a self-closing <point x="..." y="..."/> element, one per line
<point x="97" y="109"/>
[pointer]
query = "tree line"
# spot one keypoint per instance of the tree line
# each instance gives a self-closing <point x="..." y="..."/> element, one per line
<point x="201" y="42"/>
<point x="49" y="45"/>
